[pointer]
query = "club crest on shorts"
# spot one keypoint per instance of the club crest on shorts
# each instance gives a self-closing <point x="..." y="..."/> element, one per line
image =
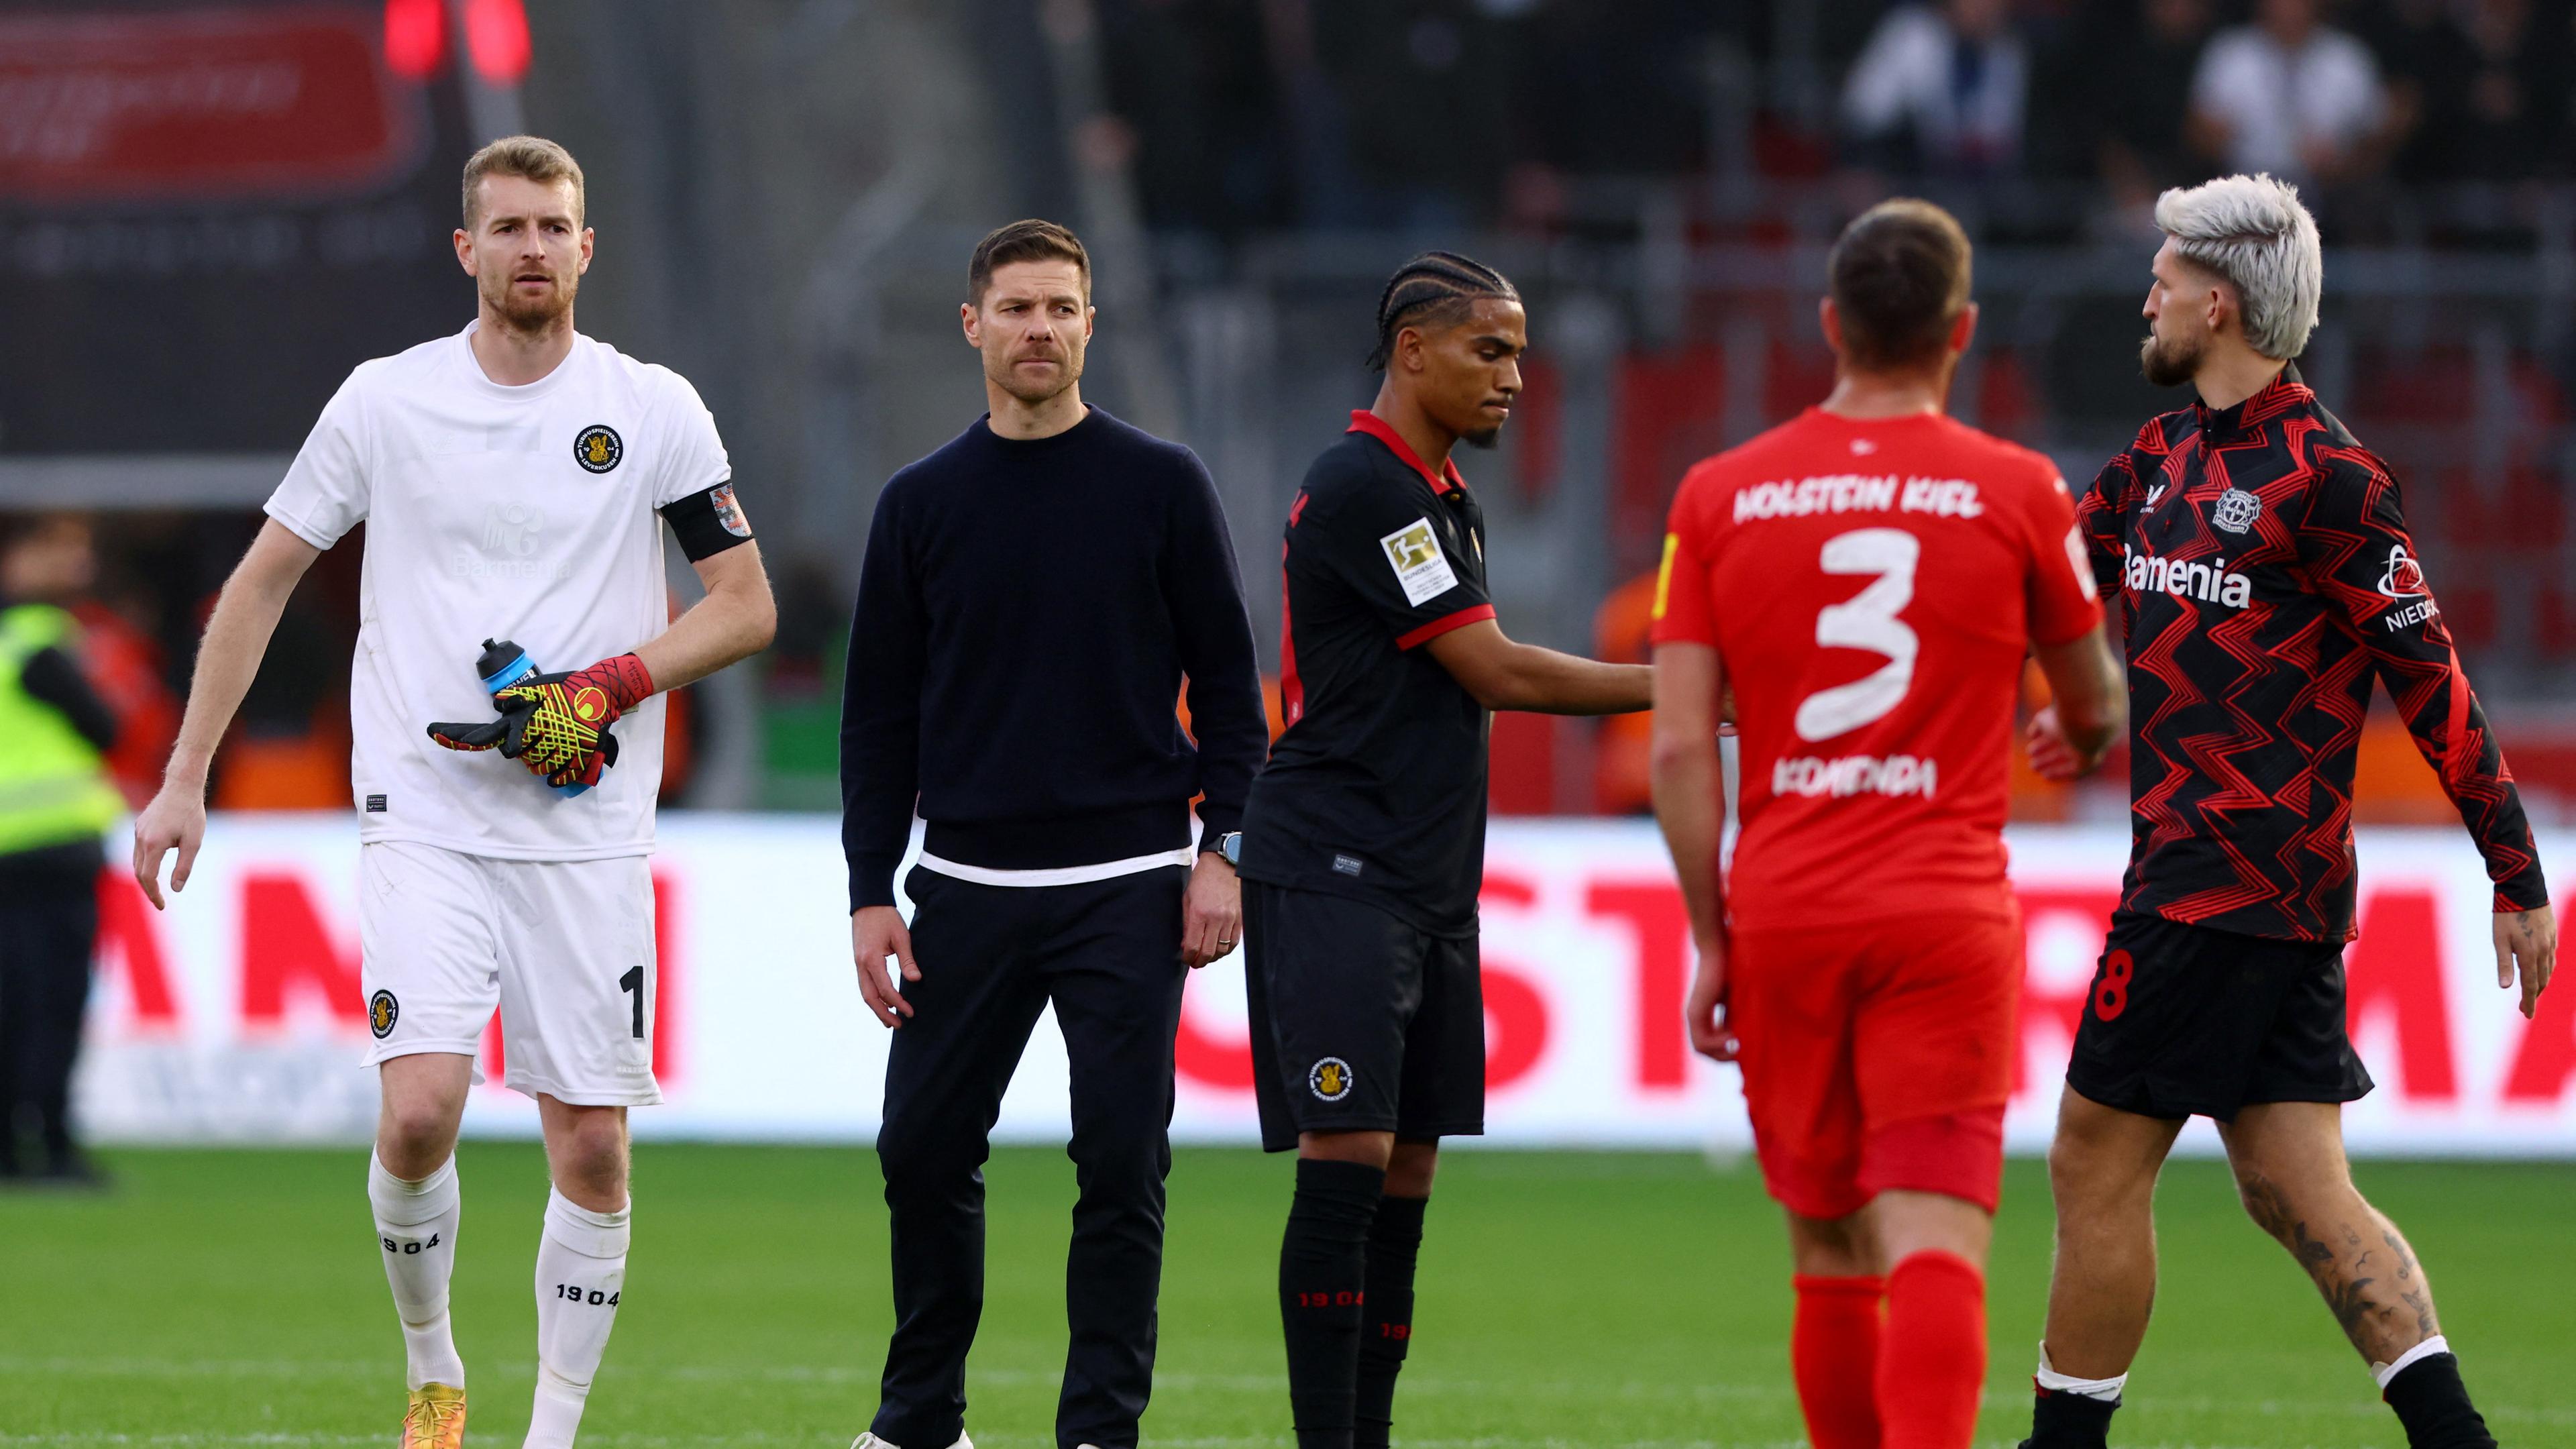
<point x="382" y="1012"/>
<point x="2235" y="510"/>
<point x="1329" y="1079"/>
<point x="598" y="447"/>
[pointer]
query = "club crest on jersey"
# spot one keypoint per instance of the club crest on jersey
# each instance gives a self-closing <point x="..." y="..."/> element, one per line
<point x="597" y="447"/>
<point x="382" y="1012"/>
<point x="1329" y="1079"/>
<point x="2404" y="576"/>
<point x="2235" y="510"/>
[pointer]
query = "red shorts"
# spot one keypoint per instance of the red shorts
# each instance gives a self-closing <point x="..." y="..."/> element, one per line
<point x="1878" y="1057"/>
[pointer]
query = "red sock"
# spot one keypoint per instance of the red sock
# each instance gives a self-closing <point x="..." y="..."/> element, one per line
<point x="1933" y="1369"/>
<point x="1833" y="1353"/>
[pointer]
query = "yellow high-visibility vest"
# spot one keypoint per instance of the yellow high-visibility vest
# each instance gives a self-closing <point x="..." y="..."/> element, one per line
<point x="54" y="788"/>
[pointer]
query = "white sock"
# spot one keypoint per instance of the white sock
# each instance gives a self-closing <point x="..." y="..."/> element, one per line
<point x="2107" y="1390"/>
<point x="2385" y="1372"/>
<point x="416" y="1231"/>
<point x="581" y="1270"/>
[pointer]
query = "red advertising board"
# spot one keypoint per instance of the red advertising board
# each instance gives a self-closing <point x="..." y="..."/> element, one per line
<point x="237" y="1014"/>
<point x="267" y="102"/>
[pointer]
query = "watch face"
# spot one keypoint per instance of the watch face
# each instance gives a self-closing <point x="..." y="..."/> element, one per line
<point x="1231" y="847"/>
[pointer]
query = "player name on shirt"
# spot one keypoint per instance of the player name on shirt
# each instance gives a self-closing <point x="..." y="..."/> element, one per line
<point x="1856" y="775"/>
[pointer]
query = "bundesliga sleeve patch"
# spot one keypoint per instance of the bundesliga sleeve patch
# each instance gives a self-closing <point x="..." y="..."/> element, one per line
<point x="1420" y="567"/>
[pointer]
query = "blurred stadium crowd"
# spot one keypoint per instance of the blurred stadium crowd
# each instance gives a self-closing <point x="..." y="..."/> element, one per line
<point x="1659" y="176"/>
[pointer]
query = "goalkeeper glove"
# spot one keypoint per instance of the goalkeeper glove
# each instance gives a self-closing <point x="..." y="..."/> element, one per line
<point x="557" y="724"/>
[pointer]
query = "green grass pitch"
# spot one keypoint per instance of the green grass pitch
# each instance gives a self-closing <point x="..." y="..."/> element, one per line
<point x="233" y="1298"/>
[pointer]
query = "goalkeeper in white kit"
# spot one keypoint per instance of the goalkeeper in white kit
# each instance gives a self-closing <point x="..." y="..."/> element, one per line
<point x="510" y="475"/>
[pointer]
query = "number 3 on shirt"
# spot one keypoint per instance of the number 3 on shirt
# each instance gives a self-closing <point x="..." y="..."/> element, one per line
<point x="1868" y="621"/>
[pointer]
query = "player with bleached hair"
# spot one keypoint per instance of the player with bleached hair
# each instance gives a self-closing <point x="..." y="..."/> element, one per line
<point x="2267" y="578"/>
<point x="509" y="475"/>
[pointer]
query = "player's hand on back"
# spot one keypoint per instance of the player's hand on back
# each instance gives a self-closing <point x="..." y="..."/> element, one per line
<point x="1705" y="1014"/>
<point x="877" y="932"/>
<point x="1211" y="913"/>
<point x="2051" y="754"/>
<point x="175" y="820"/>
<point x="2529" y="938"/>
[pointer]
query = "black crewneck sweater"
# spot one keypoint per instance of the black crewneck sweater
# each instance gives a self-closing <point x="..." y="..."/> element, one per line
<point x="1027" y="612"/>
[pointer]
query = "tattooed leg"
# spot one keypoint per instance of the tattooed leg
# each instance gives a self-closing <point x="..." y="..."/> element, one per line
<point x="2296" y="1185"/>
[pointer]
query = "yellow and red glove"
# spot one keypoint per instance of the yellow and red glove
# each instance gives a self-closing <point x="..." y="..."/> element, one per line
<point x="557" y="724"/>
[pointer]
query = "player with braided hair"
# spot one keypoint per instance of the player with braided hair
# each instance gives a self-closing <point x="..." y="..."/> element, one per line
<point x="1364" y="840"/>
<point x="1433" y="289"/>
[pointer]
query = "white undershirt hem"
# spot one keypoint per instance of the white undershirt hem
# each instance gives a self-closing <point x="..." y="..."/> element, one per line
<point x="1062" y="875"/>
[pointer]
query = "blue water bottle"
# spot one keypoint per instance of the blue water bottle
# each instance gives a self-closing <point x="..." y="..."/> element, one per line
<point x="504" y="664"/>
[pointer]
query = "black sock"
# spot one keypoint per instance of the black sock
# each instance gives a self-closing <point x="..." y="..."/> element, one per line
<point x="1386" y="1322"/>
<point x="2069" y="1421"/>
<point x="2434" y="1406"/>
<point x="1323" y="1275"/>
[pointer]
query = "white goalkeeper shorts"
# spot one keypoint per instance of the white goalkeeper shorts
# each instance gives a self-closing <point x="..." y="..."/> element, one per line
<point x="563" y="947"/>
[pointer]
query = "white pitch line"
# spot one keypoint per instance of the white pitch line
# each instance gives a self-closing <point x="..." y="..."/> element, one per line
<point x="1416" y="1386"/>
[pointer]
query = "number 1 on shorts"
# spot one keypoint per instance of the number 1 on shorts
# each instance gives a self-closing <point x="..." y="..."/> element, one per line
<point x="633" y="981"/>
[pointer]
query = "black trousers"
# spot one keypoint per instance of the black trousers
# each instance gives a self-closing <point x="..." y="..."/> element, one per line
<point x="992" y="957"/>
<point x="48" y="928"/>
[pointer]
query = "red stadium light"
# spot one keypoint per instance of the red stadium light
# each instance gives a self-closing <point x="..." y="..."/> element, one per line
<point x="415" y="37"/>
<point x="496" y="35"/>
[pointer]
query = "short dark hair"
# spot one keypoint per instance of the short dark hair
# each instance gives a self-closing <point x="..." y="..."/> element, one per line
<point x="1027" y="240"/>
<point x="1435" y="287"/>
<point x="1899" y="278"/>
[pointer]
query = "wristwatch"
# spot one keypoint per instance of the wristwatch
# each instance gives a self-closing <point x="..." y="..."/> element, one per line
<point x="1229" y="846"/>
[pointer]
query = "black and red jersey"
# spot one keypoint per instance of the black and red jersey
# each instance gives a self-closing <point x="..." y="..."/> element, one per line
<point x="1377" y="788"/>
<point x="2267" y="577"/>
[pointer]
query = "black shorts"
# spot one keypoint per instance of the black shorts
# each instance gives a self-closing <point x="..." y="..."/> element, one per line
<point x="1360" y="1022"/>
<point x="2184" y="1020"/>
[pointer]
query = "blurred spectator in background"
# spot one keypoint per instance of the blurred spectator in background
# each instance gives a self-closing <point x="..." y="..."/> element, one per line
<point x="1425" y="98"/>
<point x="2512" y="100"/>
<point x="2140" y="94"/>
<point x="2292" y="96"/>
<point x="1941" y="90"/>
<point x="1190" y="81"/>
<point x="55" y="803"/>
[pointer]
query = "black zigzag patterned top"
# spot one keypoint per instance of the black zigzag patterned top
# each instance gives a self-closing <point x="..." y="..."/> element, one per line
<point x="2266" y="576"/>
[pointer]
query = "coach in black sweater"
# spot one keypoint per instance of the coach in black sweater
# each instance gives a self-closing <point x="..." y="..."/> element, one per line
<point x="1034" y="594"/>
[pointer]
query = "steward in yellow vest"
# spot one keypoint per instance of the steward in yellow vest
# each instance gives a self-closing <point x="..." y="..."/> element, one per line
<point x="56" y="801"/>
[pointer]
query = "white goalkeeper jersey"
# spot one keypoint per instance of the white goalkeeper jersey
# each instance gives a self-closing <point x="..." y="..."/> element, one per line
<point x="521" y="513"/>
